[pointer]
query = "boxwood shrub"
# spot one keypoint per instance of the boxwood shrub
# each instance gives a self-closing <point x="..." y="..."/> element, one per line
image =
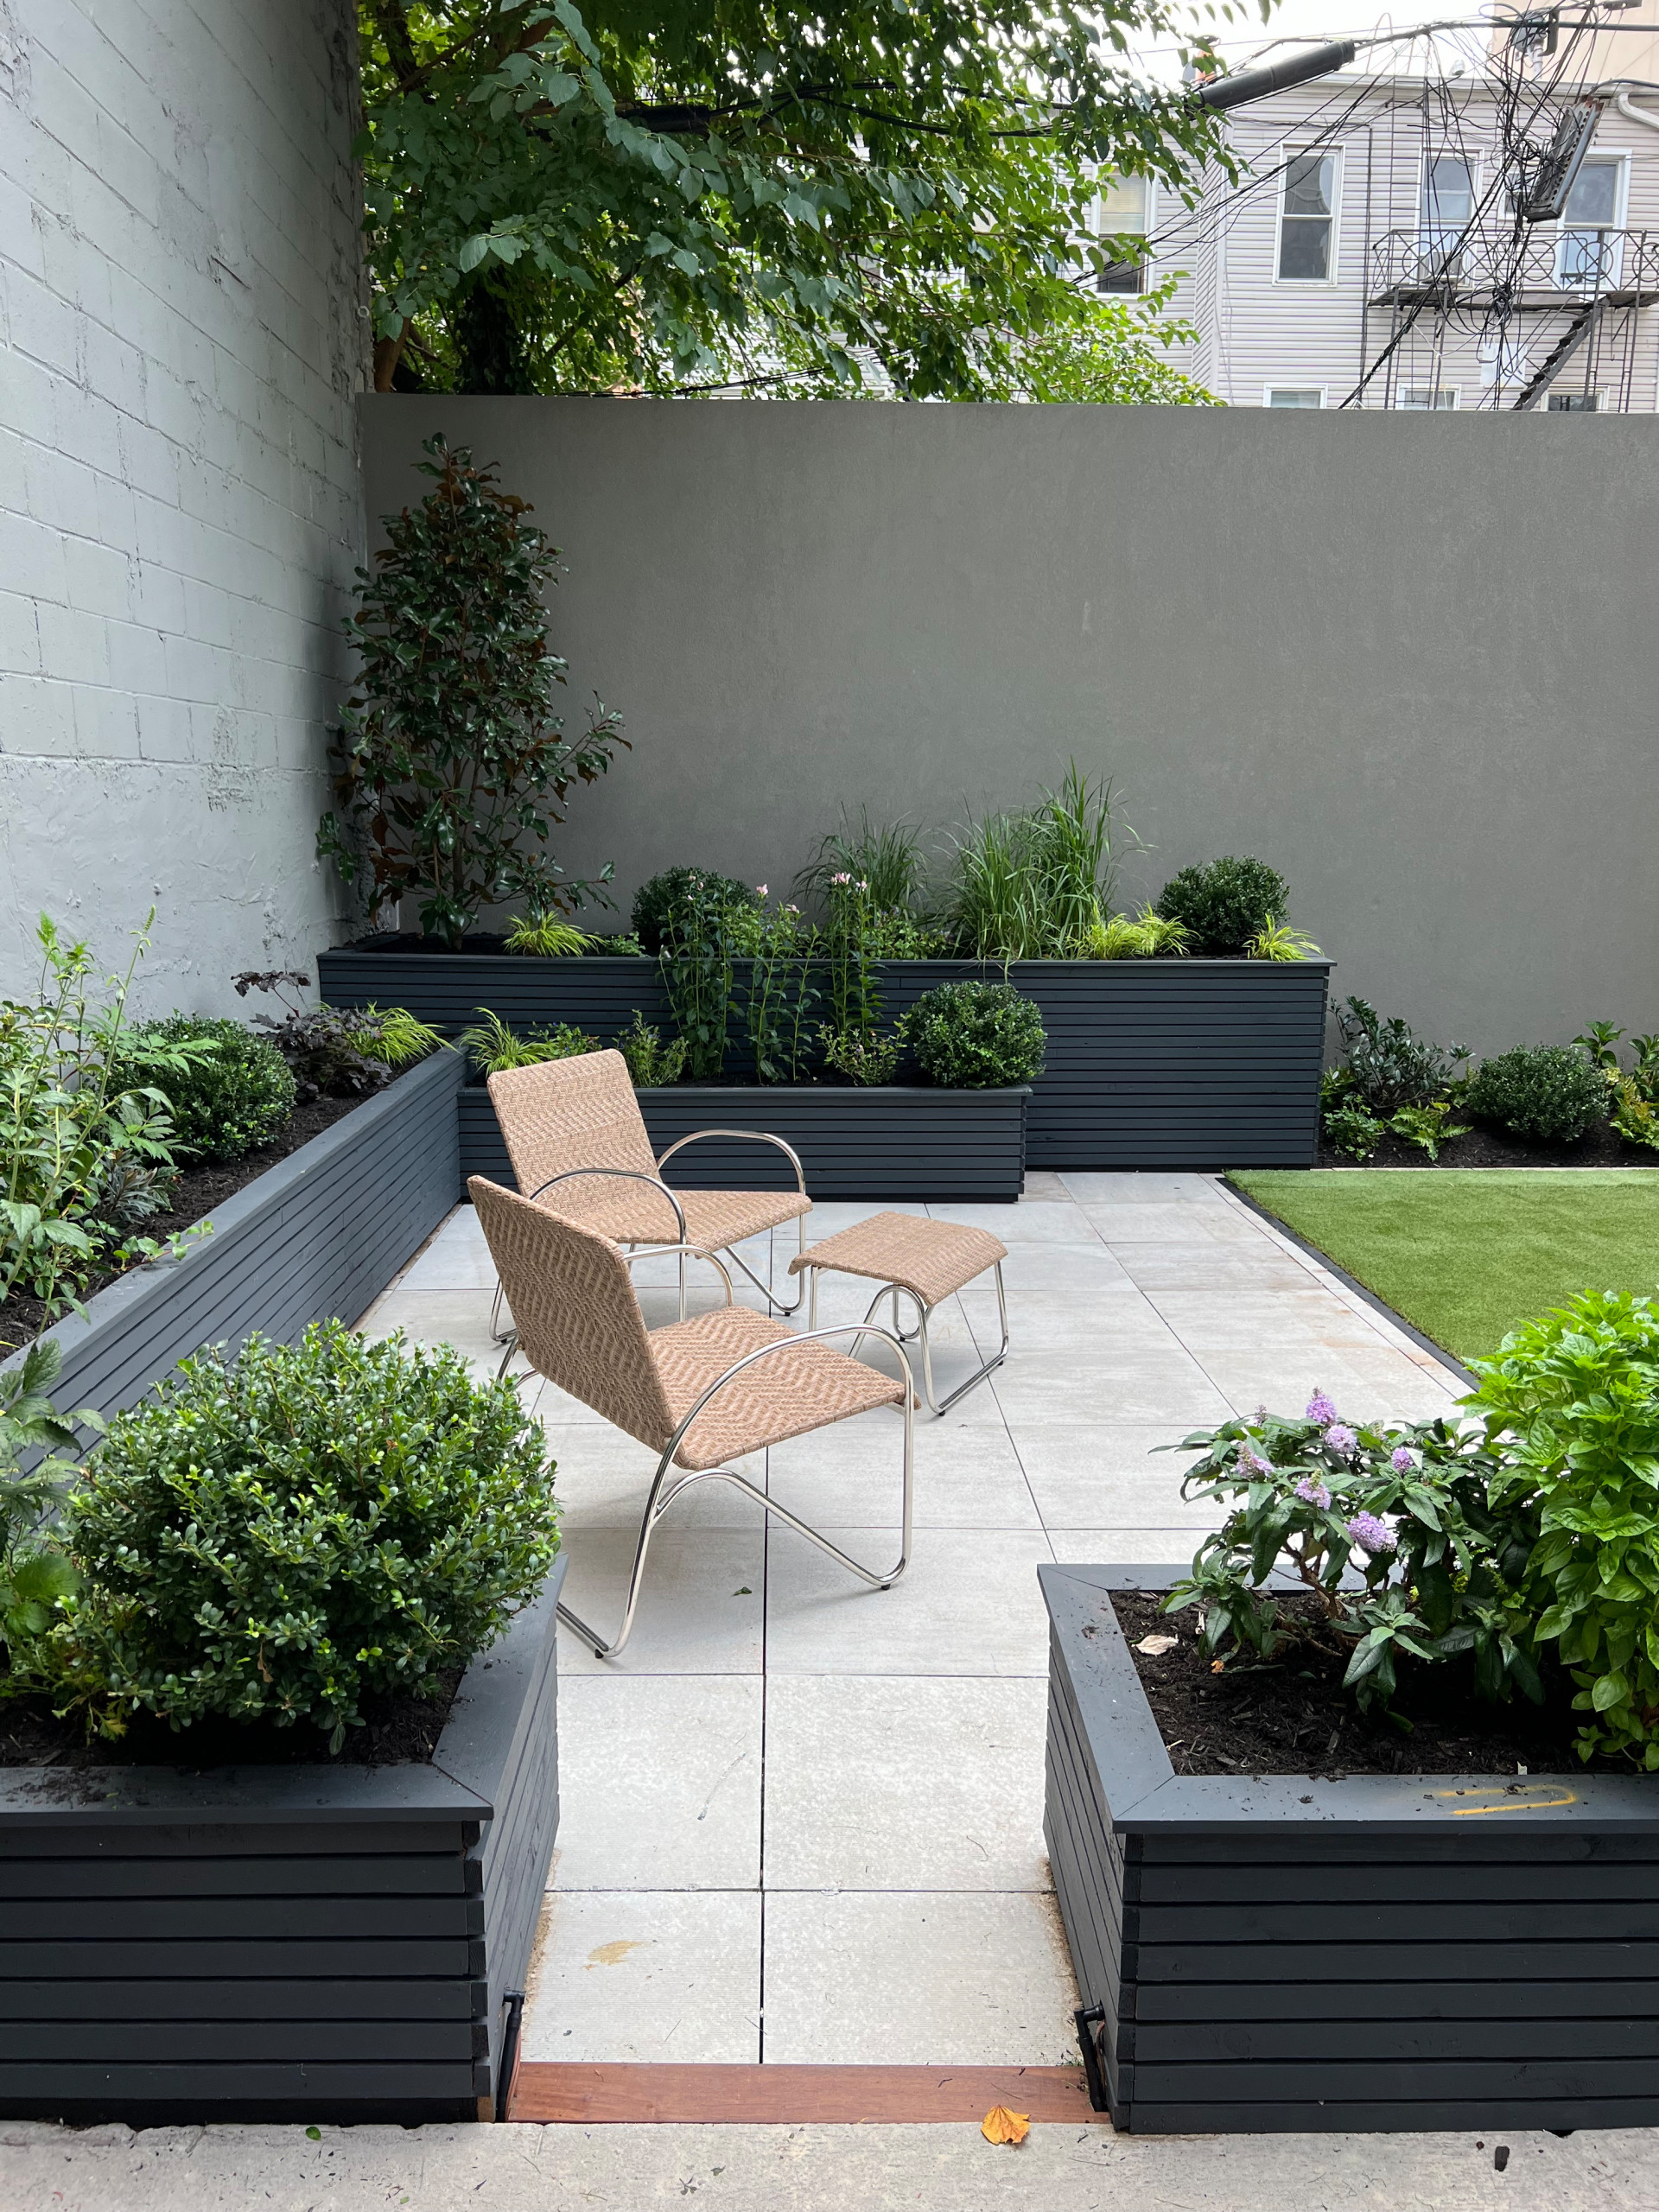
<point x="976" y="1036"/>
<point x="656" y="902"/>
<point x="1551" y="1093"/>
<point x="1223" y="903"/>
<point x="226" y="1101"/>
<point x="275" y="1535"/>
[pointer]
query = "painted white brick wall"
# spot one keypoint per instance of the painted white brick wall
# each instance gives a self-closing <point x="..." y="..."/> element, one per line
<point x="182" y="344"/>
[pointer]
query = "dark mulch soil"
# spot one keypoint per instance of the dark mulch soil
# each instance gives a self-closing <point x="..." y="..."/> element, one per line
<point x="1292" y="1716"/>
<point x="1482" y="1147"/>
<point x="395" y="1731"/>
<point x="200" y="1189"/>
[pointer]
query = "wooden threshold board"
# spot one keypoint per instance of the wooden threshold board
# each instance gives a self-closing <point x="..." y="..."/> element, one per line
<point x="789" y="2095"/>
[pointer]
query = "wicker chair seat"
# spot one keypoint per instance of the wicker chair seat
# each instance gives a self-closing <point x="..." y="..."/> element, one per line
<point x="788" y="1394"/>
<point x="632" y="1213"/>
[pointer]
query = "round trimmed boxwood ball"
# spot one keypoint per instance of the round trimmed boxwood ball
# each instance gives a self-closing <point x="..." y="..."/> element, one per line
<point x="1223" y="903"/>
<point x="1551" y="1093"/>
<point x="654" y="903"/>
<point x="278" y="1533"/>
<point x="976" y="1036"/>
<point x="225" y="1102"/>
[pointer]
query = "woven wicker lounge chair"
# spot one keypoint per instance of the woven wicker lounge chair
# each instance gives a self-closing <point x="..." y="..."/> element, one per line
<point x="579" y="1146"/>
<point x="699" y="1392"/>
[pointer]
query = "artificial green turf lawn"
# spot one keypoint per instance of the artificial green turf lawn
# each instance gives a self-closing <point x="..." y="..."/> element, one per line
<point x="1465" y="1254"/>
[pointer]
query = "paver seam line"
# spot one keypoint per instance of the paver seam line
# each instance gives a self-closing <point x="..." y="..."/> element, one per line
<point x="1324" y="1263"/>
<point x="1002" y="1414"/>
<point x="1095" y="1235"/>
<point x="1175" y="1334"/>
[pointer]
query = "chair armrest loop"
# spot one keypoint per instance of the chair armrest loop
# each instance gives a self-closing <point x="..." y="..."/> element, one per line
<point x="748" y="1136"/>
<point x="627" y="1174"/>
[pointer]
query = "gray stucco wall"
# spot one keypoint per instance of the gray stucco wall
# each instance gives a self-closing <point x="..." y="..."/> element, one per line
<point x="181" y="352"/>
<point x="1408" y="659"/>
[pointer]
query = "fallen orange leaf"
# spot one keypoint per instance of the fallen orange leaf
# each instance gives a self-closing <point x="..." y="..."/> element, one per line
<point x="1002" y="2126"/>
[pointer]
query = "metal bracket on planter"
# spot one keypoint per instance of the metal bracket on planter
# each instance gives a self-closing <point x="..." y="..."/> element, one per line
<point x="1090" y="2020"/>
<point x="512" y="2004"/>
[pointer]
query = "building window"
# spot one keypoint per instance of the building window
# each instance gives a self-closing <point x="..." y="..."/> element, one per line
<point x="1586" y="257"/>
<point x="1308" y="221"/>
<point x="1426" y="400"/>
<point x="1572" y="402"/>
<point x="1285" y="395"/>
<point x="1448" y="207"/>
<point x="1123" y="210"/>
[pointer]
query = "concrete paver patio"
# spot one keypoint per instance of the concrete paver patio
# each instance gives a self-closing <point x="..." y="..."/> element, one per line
<point x="802" y="1819"/>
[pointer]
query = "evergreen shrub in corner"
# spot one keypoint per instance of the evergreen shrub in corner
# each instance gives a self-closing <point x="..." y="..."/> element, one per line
<point x="279" y="1535"/>
<point x="976" y="1036"/>
<point x="1552" y="1093"/>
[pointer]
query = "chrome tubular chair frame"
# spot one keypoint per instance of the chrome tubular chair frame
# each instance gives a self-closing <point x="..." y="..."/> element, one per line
<point x="918" y="1335"/>
<point x="661" y="1497"/>
<point x="748" y="1136"/>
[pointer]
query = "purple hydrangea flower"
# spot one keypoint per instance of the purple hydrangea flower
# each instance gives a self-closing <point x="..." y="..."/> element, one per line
<point x="1371" y="1534"/>
<point x="1320" y="1408"/>
<point x="1402" y="1462"/>
<point x="1340" y="1439"/>
<point x="1312" y="1493"/>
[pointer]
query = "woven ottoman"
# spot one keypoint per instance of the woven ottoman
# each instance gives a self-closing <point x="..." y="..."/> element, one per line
<point x="929" y="1261"/>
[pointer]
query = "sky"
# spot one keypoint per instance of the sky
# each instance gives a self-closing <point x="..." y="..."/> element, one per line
<point x="1317" y="20"/>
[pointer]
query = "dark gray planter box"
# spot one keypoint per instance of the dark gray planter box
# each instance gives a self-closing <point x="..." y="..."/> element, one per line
<point x="883" y="1142"/>
<point x="1278" y="1952"/>
<point x="1151" y="1062"/>
<point x="283" y="1944"/>
<point x="321" y="1234"/>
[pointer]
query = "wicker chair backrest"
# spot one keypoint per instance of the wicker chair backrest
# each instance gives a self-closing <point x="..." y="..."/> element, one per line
<point x="573" y="1306"/>
<point x="564" y="1114"/>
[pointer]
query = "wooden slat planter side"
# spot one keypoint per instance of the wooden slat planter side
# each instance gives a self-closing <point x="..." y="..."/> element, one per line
<point x="319" y="1235"/>
<point x="1287" y="1952"/>
<point x="1151" y="1062"/>
<point x="894" y="1142"/>
<point x="290" y="1943"/>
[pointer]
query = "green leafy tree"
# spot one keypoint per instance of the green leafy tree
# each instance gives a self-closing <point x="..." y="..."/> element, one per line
<point x="1111" y="352"/>
<point x="449" y="761"/>
<point x="650" y="197"/>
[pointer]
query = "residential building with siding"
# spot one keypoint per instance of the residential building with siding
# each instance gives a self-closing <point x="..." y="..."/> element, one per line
<point x="1356" y="260"/>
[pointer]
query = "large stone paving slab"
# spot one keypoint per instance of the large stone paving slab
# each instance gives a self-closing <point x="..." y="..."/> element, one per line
<point x="802" y="1818"/>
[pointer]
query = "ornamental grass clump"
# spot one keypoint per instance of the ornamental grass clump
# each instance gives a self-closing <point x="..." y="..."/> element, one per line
<point x="277" y="1536"/>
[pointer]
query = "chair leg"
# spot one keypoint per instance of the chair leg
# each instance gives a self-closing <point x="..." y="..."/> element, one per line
<point x="659" y="1502"/>
<point x="774" y="1304"/>
<point x="936" y="1405"/>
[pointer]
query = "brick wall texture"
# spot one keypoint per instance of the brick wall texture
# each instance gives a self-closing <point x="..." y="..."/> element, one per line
<point x="181" y="342"/>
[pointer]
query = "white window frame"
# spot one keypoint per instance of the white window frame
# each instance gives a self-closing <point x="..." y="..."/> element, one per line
<point x="1149" y="219"/>
<point x="1333" y="277"/>
<point x="1456" y="390"/>
<point x="1564" y="230"/>
<point x="1268" y="390"/>
<point x="1474" y="162"/>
